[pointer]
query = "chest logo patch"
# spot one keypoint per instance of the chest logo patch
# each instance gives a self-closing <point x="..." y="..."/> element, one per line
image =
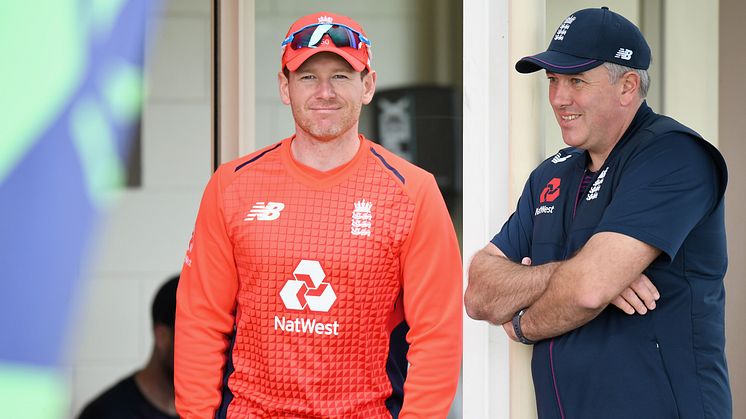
<point x="593" y="191"/>
<point x="361" y="218"/>
<point x="551" y="192"/>
<point x="265" y="211"/>
<point x="308" y="288"/>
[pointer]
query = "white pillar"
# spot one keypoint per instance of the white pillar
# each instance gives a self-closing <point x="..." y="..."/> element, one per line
<point x="236" y="79"/>
<point x="486" y="180"/>
<point x="528" y="96"/>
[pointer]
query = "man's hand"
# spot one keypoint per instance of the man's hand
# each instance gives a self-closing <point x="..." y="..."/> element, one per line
<point x="639" y="297"/>
<point x="508" y="327"/>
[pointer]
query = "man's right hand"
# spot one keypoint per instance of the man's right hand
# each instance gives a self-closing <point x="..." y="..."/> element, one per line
<point x="639" y="297"/>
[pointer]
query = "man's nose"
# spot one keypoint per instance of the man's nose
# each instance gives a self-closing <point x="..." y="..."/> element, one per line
<point x="325" y="89"/>
<point x="560" y="95"/>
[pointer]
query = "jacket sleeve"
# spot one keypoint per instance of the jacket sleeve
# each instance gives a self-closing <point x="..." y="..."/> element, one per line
<point x="433" y="308"/>
<point x="515" y="236"/>
<point x="205" y="310"/>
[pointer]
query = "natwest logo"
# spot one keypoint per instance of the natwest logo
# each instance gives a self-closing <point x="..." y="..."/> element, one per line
<point x="308" y="289"/>
<point x="551" y="192"/>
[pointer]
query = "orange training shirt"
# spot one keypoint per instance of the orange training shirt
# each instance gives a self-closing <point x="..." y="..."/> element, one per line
<point x="299" y="287"/>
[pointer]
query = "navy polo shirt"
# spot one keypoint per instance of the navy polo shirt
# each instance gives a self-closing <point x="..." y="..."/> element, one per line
<point x="662" y="184"/>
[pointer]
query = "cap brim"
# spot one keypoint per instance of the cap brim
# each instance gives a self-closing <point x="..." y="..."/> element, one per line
<point x="307" y="53"/>
<point x="556" y="62"/>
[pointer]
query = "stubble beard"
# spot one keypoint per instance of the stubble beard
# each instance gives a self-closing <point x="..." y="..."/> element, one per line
<point x="323" y="130"/>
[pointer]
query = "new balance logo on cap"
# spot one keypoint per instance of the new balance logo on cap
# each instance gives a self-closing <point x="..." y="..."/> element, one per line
<point x="262" y="211"/>
<point x="624" y="54"/>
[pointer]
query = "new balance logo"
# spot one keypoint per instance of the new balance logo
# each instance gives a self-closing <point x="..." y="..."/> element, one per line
<point x="624" y="54"/>
<point x="262" y="211"/>
<point x="559" y="159"/>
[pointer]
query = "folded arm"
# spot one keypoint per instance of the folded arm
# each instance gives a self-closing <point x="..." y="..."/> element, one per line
<point x="499" y="287"/>
<point x="584" y="285"/>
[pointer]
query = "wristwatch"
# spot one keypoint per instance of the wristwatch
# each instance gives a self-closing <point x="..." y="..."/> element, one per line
<point x="517" y="328"/>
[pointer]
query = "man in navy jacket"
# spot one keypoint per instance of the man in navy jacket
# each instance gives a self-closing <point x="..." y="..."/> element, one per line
<point x="624" y="231"/>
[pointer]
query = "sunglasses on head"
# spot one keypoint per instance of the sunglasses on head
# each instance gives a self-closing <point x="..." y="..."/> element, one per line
<point x="310" y="36"/>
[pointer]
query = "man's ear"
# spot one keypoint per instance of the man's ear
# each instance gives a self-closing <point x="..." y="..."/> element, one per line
<point x="369" y="87"/>
<point x="163" y="336"/>
<point x="630" y="88"/>
<point x="282" y="83"/>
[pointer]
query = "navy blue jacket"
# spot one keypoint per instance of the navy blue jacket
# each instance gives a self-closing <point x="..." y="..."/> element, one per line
<point x="662" y="184"/>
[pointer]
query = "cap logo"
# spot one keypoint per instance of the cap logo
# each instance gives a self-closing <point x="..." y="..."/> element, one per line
<point x="623" y="53"/>
<point x="562" y="30"/>
<point x="325" y="19"/>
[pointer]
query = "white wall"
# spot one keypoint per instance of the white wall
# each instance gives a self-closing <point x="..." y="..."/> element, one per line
<point x="143" y="238"/>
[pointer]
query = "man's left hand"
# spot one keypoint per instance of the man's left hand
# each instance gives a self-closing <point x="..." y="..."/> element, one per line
<point x="508" y="326"/>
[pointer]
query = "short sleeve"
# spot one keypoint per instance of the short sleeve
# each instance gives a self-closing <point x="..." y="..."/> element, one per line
<point x="514" y="238"/>
<point x="663" y="193"/>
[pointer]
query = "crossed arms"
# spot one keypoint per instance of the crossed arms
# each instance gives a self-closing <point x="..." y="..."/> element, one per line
<point x="561" y="296"/>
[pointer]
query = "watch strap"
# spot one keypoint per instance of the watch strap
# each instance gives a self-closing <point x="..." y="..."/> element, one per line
<point x="517" y="328"/>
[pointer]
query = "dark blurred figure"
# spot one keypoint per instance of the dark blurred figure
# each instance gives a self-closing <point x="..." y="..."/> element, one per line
<point x="149" y="392"/>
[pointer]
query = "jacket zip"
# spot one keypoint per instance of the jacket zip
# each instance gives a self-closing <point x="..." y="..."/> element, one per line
<point x="551" y="343"/>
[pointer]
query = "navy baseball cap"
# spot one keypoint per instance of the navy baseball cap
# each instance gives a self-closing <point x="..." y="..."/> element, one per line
<point x="587" y="39"/>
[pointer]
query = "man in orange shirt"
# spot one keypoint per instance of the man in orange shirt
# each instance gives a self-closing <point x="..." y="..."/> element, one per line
<point x="323" y="278"/>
